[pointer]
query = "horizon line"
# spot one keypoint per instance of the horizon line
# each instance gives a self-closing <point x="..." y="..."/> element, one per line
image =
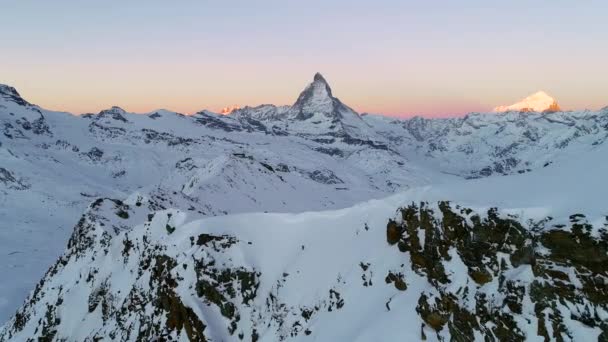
<point x="397" y="115"/>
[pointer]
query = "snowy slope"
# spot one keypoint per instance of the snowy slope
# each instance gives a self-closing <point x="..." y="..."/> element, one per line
<point x="130" y="273"/>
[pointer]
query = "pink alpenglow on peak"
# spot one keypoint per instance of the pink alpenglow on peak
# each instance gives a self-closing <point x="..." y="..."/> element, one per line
<point x="229" y="109"/>
<point x="537" y="102"/>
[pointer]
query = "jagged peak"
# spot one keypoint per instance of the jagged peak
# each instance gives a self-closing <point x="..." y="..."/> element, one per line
<point x="318" y="87"/>
<point x="315" y="98"/>
<point x="319" y="78"/>
<point x="319" y="81"/>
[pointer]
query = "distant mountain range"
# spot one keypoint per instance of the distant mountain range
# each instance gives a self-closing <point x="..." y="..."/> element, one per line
<point x="300" y="222"/>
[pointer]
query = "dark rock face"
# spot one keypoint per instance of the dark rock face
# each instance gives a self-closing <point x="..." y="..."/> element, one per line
<point x="95" y="154"/>
<point x="152" y="136"/>
<point x="40" y="126"/>
<point x="491" y="247"/>
<point x="115" y="113"/>
<point x="216" y="122"/>
<point x="11" y="94"/>
<point x="514" y="271"/>
<point x="10" y="181"/>
<point x="325" y="177"/>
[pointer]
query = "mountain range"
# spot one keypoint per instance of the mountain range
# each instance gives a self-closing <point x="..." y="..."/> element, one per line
<point x="303" y="222"/>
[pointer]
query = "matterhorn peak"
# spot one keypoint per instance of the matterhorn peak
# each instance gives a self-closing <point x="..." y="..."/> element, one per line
<point x="315" y="99"/>
<point x="537" y="102"/>
<point x="319" y="81"/>
<point x="319" y="78"/>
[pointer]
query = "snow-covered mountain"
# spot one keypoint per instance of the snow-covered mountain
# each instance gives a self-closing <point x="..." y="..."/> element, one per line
<point x="316" y="115"/>
<point x="55" y="164"/>
<point x="537" y="102"/>
<point x="174" y="242"/>
<point x="480" y="145"/>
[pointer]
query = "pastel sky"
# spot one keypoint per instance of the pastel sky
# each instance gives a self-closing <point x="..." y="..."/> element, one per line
<point x="394" y="57"/>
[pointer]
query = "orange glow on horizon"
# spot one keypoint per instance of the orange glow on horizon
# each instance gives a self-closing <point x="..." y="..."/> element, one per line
<point x="396" y="97"/>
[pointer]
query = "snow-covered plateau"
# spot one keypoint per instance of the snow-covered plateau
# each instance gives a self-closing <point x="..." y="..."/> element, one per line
<point x="303" y="222"/>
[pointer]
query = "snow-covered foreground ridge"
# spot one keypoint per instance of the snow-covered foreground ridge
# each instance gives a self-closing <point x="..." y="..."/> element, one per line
<point x="429" y="270"/>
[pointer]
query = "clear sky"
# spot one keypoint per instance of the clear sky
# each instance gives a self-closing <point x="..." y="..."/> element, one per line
<point x="395" y="57"/>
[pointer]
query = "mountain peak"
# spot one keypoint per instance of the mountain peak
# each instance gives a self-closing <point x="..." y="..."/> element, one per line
<point x="315" y="99"/>
<point x="8" y="90"/>
<point x="317" y="111"/>
<point x="537" y="102"/>
<point x="319" y="78"/>
<point x="115" y="113"/>
<point x="12" y="94"/>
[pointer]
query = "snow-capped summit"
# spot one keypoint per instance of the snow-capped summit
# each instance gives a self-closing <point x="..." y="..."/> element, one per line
<point x="318" y="112"/>
<point x="537" y="102"/>
<point x="317" y="99"/>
